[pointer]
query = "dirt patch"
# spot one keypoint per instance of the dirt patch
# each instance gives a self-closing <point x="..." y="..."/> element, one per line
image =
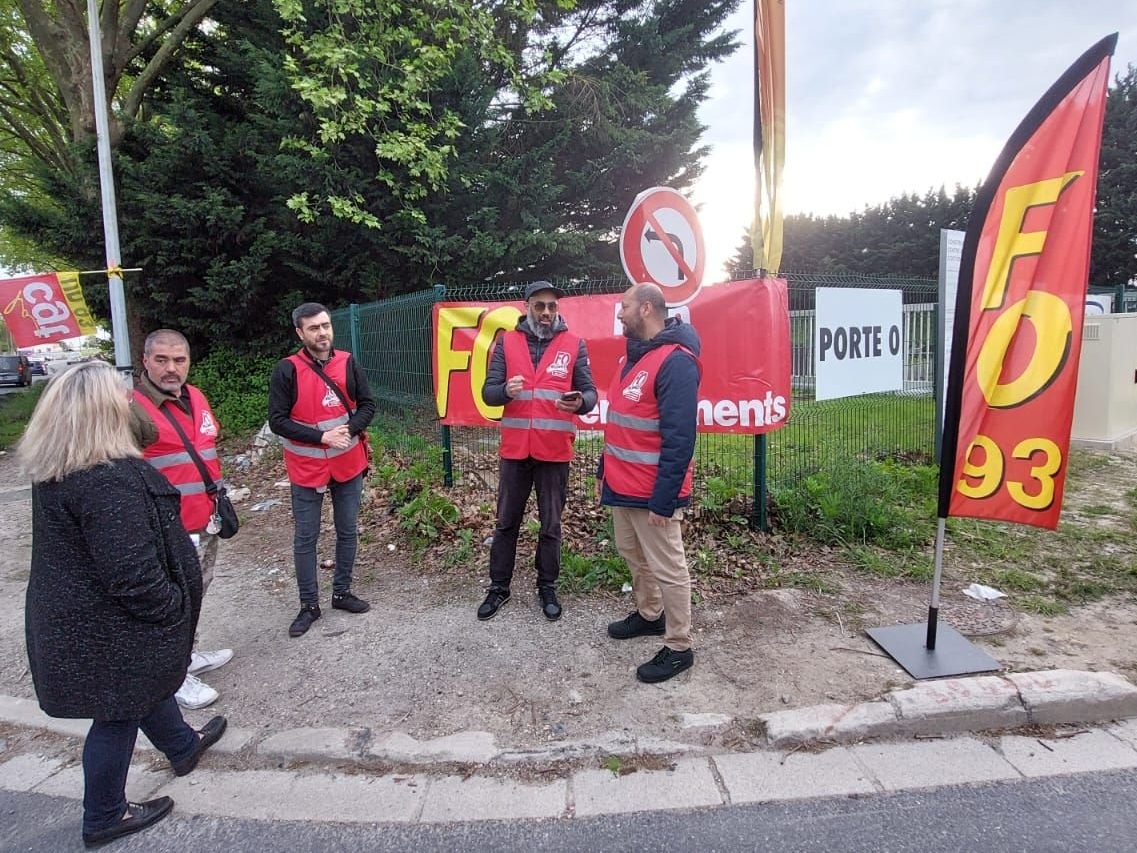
<point x="421" y="663"/>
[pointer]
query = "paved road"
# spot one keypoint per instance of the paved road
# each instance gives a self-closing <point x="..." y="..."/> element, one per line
<point x="1090" y="812"/>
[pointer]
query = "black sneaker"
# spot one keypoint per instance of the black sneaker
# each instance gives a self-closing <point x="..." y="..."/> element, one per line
<point x="347" y="601"/>
<point x="308" y="614"/>
<point x="636" y="626"/>
<point x="496" y="596"/>
<point x="666" y="663"/>
<point x="549" y="604"/>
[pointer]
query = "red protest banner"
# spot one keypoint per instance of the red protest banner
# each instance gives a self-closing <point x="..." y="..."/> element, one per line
<point x="1020" y="308"/>
<point x="42" y="309"/>
<point x="745" y="332"/>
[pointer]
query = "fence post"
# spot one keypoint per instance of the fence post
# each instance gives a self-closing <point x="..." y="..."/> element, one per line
<point x="759" y="518"/>
<point x="447" y="454"/>
<point x="353" y="324"/>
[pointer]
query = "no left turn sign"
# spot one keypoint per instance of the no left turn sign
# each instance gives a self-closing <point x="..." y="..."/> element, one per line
<point x="662" y="244"/>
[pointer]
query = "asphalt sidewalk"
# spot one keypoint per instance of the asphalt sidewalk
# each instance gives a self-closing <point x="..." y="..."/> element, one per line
<point x="954" y="731"/>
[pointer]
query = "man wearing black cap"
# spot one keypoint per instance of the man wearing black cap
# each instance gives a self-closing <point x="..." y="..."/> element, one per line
<point x="540" y="374"/>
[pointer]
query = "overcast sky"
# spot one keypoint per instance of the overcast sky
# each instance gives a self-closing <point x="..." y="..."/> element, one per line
<point x="891" y="96"/>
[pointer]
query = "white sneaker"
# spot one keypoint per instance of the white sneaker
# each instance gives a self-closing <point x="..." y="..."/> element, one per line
<point x="195" y="693"/>
<point x="205" y="661"/>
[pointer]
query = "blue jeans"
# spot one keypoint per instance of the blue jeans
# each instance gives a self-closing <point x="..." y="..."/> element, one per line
<point x="107" y="752"/>
<point x="307" y="507"/>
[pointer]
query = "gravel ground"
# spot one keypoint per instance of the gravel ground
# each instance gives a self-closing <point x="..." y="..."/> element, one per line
<point x="421" y="663"/>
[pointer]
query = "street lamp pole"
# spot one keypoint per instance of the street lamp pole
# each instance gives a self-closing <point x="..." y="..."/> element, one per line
<point x="119" y="329"/>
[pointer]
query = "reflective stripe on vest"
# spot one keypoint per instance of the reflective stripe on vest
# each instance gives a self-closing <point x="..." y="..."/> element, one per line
<point x="531" y="424"/>
<point x="169" y="459"/>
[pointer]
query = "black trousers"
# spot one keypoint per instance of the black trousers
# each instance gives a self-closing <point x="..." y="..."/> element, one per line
<point x="517" y="479"/>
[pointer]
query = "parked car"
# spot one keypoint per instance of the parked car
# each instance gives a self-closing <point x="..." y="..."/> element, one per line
<point x="15" y="370"/>
<point x="39" y="368"/>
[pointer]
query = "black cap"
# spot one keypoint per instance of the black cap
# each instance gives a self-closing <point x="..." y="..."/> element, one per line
<point x="538" y="286"/>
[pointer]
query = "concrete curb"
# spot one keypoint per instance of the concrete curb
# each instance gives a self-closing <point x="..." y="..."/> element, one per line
<point x="459" y="778"/>
<point x="949" y="706"/>
<point x="330" y="795"/>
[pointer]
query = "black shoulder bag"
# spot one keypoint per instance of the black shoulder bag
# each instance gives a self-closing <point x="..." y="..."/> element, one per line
<point x="224" y="513"/>
<point x="363" y="436"/>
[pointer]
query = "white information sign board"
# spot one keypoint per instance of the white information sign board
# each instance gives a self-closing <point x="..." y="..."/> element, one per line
<point x="858" y="345"/>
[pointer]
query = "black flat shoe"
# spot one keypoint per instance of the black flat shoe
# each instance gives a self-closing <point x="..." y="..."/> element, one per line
<point x="209" y="734"/>
<point x="142" y="815"/>
<point x="549" y="604"/>
<point x="496" y="596"/>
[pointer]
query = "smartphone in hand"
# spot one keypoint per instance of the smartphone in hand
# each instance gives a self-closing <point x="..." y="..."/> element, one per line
<point x="571" y="396"/>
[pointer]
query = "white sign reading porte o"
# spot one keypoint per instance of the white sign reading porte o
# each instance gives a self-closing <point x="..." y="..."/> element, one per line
<point x="662" y="244"/>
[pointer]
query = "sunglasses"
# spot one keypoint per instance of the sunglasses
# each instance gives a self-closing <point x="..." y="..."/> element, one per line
<point x="541" y="306"/>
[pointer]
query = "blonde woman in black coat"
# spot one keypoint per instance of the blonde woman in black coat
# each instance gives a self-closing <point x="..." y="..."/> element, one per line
<point x="113" y="596"/>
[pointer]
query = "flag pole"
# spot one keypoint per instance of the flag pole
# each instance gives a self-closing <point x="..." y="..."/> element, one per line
<point x="119" y="330"/>
<point x="934" y="606"/>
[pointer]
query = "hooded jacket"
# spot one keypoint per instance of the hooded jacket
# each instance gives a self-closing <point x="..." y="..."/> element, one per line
<point x="493" y="390"/>
<point x="677" y="393"/>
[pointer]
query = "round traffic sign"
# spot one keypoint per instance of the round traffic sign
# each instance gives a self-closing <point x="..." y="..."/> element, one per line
<point x="662" y="243"/>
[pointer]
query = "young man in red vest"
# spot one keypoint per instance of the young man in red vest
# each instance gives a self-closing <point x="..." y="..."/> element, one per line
<point x="320" y="404"/>
<point x="540" y="374"/>
<point x="649" y="444"/>
<point x="162" y="393"/>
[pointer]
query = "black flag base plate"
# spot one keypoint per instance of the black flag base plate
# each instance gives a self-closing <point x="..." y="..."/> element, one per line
<point x="954" y="654"/>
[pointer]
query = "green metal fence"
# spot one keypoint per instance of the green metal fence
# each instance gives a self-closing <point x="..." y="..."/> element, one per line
<point x="392" y="341"/>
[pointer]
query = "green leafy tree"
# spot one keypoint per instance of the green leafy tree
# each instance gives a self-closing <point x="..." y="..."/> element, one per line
<point x="368" y="69"/>
<point x="542" y="193"/>
<point x="900" y="237"/>
<point x="49" y="90"/>
<point x="1114" y="260"/>
<point x="532" y="189"/>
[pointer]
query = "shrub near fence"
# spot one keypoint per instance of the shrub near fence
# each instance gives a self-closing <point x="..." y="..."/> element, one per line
<point x="392" y="339"/>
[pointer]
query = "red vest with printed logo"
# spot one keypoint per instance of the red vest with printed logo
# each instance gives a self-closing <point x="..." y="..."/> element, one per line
<point x="319" y="407"/>
<point x="531" y="424"/>
<point x="169" y="455"/>
<point x="632" y="442"/>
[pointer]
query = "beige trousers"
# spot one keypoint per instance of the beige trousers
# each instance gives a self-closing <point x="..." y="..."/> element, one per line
<point x="660" y="580"/>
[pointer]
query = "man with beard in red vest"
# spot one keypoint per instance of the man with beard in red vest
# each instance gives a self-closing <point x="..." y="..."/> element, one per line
<point x="539" y="373"/>
<point x="649" y="445"/>
<point x="320" y="404"/>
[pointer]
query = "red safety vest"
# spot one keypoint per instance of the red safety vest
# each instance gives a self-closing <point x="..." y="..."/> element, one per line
<point x="169" y="455"/>
<point x="631" y="431"/>
<point x="319" y="407"/>
<point x="531" y="424"/>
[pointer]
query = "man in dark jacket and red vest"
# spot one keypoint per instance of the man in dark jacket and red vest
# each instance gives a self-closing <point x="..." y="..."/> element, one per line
<point x="161" y="397"/>
<point x="320" y="404"/>
<point x="649" y="444"/>
<point x="540" y="374"/>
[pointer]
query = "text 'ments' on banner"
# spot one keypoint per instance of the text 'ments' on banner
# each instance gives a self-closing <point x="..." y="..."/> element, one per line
<point x="1020" y="308"/>
<point x="43" y="309"/>
<point x="744" y="328"/>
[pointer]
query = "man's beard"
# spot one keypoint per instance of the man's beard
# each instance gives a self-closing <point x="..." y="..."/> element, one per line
<point x="542" y="333"/>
